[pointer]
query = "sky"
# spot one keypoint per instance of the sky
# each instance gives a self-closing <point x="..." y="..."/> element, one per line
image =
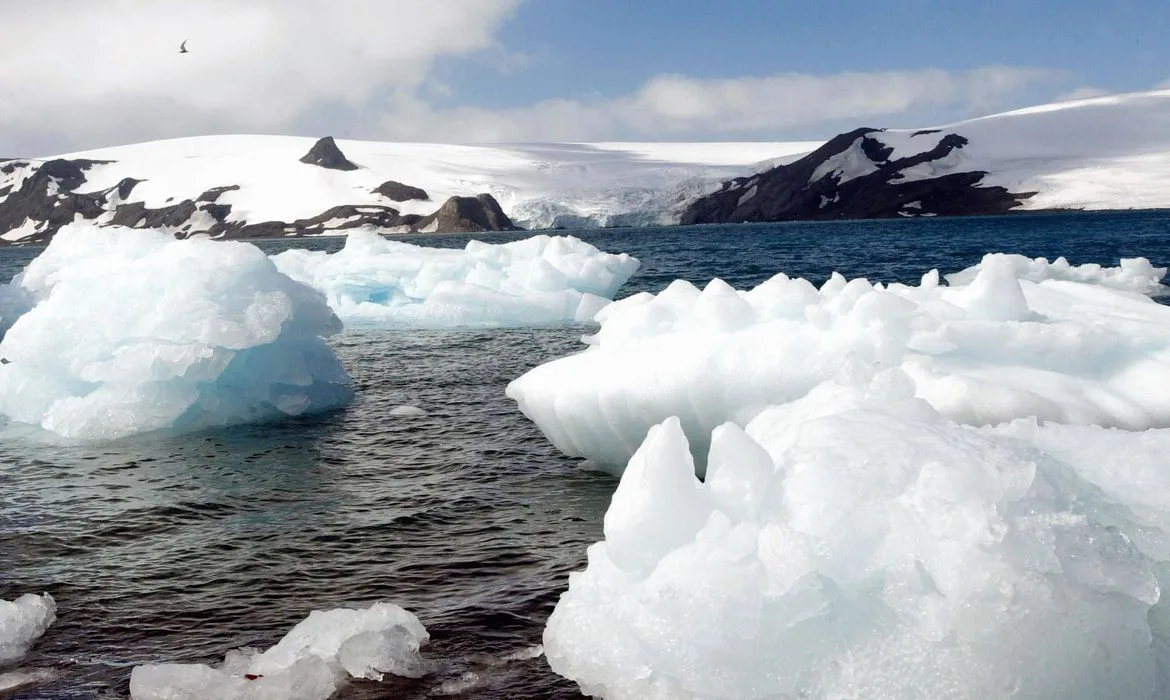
<point x="80" y="74"/>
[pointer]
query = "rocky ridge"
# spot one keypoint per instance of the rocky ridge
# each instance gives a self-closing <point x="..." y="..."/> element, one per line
<point x="37" y="198"/>
<point x="857" y="175"/>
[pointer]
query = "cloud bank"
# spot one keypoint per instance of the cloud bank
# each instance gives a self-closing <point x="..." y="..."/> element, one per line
<point x="83" y="74"/>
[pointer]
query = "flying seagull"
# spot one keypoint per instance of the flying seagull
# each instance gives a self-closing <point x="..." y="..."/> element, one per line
<point x="183" y="47"/>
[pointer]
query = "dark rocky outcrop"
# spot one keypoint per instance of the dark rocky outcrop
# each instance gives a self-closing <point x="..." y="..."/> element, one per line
<point x="46" y="198"/>
<point x="467" y="215"/>
<point x="43" y="198"/>
<point x="398" y="192"/>
<point x="852" y="177"/>
<point x="326" y="154"/>
<point x="9" y="165"/>
<point x="212" y="195"/>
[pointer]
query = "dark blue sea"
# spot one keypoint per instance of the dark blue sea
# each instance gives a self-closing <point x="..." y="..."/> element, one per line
<point x="180" y="549"/>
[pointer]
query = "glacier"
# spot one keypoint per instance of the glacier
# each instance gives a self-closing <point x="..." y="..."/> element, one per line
<point x="22" y="622"/>
<point x="857" y="543"/>
<point x="538" y="280"/>
<point x="127" y="331"/>
<point x="1010" y="338"/>
<point x="311" y="662"/>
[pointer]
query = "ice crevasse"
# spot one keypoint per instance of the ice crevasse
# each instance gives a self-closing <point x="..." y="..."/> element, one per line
<point x="1010" y="338"/>
<point x="120" y="331"/>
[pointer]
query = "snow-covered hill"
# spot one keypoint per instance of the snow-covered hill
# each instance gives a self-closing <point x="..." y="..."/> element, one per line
<point x="1108" y="152"/>
<point x="262" y="179"/>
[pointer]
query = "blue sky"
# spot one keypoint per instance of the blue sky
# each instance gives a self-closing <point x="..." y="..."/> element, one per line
<point x="89" y="73"/>
<point x="610" y="47"/>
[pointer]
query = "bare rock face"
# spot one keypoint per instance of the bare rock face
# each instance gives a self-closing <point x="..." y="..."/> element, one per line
<point x="44" y="201"/>
<point x="398" y="192"/>
<point x="326" y="154"/>
<point x="852" y="176"/>
<point x="467" y="215"/>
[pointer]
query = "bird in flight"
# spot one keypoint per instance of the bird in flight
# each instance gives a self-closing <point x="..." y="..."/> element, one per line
<point x="183" y="47"/>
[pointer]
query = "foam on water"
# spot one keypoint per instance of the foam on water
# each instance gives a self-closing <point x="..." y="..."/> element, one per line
<point x="131" y="331"/>
<point x="991" y="347"/>
<point x="310" y="663"/>
<point x="856" y="543"/>
<point x="538" y="280"/>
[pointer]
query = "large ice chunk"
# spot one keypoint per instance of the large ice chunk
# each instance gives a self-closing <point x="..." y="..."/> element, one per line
<point x="989" y="350"/>
<point x="22" y="622"/>
<point x="133" y="331"/>
<point x="856" y="544"/>
<point x="538" y="280"/>
<point x="309" y="663"/>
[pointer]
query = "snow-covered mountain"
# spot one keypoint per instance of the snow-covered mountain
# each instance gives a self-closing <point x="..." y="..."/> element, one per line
<point x="1108" y="152"/>
<point x="245" y="186"/>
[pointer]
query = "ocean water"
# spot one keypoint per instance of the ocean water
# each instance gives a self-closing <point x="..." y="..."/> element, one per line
<point x="179" y="549"/>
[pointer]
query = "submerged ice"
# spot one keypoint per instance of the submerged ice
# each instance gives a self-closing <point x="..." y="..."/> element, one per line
<point x="538" y="280"/>
<point x="1008" y="339"/>
<point x="128" y="331"/>
<point x="855" y="543"/>
<point x="22" y="622"/>
<point x="311" y="662"/>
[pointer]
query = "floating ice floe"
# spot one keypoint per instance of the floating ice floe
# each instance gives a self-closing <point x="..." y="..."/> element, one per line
<point x="22" y="622"/>
<point x="855" y="543"/>
<point x="1133" y="274"/>
<point x="538" y="280"/>
<point x="131" y="331"/>
<point x="989" y="348"/>
<point x="406" y="411"/>
<point x="311" y="662"/>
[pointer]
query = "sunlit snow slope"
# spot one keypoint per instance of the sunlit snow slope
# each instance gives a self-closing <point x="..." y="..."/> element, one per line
<point x="1108" y="152"/>
<point x="538" y="185"/>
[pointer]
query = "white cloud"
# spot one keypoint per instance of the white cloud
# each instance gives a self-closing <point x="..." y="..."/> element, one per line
<point x="674" y="106"/>
<point x="1164" y="85"/>
<point x="1082" y="93"/>
<point x="87" y="73"/>
<point x="110" y="69"/>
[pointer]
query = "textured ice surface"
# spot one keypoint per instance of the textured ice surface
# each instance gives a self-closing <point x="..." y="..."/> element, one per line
<point x="539" y="280"/>
<point x="133" y="331"/>
<point x="1133" y="274"/>
<point x="857" y="544"/>
<point x="310" y="663"/>
<point x="22" y="622"/>
<point x="989" y="348"/>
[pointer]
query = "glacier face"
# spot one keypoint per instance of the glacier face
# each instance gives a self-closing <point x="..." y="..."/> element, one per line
<point x="993" y="346"/>
<point x="538" y="280"/>
<point x="132" y="331"/>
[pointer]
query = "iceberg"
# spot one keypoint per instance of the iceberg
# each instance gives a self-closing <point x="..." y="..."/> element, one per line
<point x="311" y="662"/>
<point x="538" y="280"/>
<point x="855" y="543"/>
<point x="129" y="331"/>
<point x="1008" y="339"/>
<point x="22" y="622"/>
